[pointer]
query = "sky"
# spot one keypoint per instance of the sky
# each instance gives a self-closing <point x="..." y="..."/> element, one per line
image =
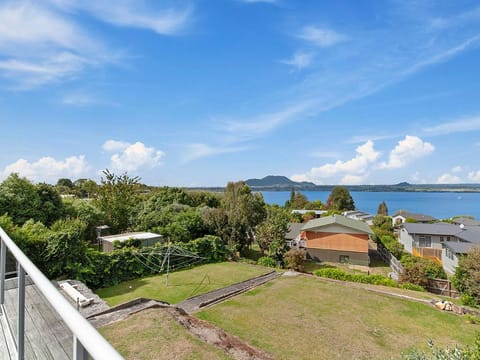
<point x="202" y="92"/>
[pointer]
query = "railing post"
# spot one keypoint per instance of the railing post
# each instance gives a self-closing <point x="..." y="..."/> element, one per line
<point x="79" y="352"/>
<point x="21" y="313"/>
<point x="3" y="257"/>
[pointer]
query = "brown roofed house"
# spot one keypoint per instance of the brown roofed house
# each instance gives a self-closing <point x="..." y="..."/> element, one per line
<point x="337" y="239"/>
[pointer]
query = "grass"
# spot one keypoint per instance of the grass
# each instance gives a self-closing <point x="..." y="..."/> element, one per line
<point x="181" y="284"/>
<point x="308" y="318"/>
<point x="154" y="334"/>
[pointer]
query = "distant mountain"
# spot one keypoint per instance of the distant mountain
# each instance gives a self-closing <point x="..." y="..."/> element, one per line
<point x="278" y="181"/>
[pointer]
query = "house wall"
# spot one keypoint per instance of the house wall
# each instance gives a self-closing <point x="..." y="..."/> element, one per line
<point x="337" y="241"/>
<point x="398" y="220"/>
<point x="406" y="239"/>
<point x="449" y="264"/>
<point x="357" y="258"/>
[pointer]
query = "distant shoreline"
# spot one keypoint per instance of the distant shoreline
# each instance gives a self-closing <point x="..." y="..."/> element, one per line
<point x="460" y="188"/>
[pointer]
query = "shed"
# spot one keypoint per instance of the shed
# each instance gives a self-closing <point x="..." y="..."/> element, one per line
<point x="146" y="239"/>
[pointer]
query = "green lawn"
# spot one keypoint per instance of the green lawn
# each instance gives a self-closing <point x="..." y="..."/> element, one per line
<point x="181" y="284"/>
<point x="308" y="318"/>
<point x="154" y="334"/>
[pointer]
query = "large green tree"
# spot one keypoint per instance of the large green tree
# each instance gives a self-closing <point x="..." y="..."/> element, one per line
<point x="340" y="200"/>
<point x="382" y="209"/>
<point x="467" y="277"/>
<point x="117" y="198"/>
<point x="245" y="210"/>
<point x="270" y="234"/>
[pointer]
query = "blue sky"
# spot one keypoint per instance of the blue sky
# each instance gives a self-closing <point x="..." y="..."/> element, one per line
<point x="198" y="93"/>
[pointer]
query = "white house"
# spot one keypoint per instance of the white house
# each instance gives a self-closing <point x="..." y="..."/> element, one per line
<point x="401" y="216"/>
<point x="359" y="215"/>
<point x="441" y="242"/>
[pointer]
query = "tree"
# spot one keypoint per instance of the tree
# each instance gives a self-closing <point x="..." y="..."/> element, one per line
<point x="382" y="209"/>
<point x="117" y="198"/>
<point x="245" y="210"/>
<point x="340" y="200"/>
<point x="297" y="200"/>
<point x="270" y="234"/>
<point x="19" y="198"/>
<point x="467" y="277"/>
<point x="86" y="188"/>
<point x="65" y="182"/>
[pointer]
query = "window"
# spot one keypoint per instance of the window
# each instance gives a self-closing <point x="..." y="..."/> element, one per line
<point x="448" y="238"/>
<point x="441" y="238"/>
<point x="344" y="259"/>
<point x="425" y="241"/>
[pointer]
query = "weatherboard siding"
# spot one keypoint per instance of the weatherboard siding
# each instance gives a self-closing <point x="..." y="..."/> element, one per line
<point x="337" y="241"/>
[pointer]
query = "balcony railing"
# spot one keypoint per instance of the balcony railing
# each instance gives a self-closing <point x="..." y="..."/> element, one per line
<point x="87" y="342"/>
<point x="428" y="253"/>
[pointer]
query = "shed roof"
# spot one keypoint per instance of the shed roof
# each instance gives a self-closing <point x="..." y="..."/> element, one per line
<point x="132" y="235"/>
<point x="340" y="220"/>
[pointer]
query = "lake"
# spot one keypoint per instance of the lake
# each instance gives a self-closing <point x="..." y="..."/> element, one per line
<point x="441" y="205"/>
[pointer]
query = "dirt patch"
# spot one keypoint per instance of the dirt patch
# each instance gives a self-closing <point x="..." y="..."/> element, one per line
<point x="213" y="335"/>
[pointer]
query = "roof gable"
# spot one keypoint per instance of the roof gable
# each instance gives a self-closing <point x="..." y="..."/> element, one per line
<point x="326" y="222"/>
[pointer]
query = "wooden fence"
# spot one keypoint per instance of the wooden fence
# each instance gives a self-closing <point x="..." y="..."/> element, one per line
<point x="391" y="260"/>
<point x="442" y="287"/>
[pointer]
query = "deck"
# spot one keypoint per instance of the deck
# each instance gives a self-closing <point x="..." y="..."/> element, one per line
<point x="46" y="335"/>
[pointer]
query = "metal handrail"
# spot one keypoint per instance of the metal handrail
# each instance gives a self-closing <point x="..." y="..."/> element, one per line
<point x="86" y="337"/>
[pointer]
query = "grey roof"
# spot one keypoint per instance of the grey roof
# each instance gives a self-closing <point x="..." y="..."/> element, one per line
<point x="340" y="220"/>
<point x="469" y="235"/>
<point x="459" y="247"/>
<point x="294" y="230"/>
<point x="432" y="229"/>
<point x="466" y="221"/>
<point x="132" y="235"/>
<point x="417" y="217"/>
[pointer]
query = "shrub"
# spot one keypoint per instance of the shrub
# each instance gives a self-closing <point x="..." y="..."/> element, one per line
<point x="212" y="248"/>
<point x="266" y="261"/>
<point x="467" y="277"/>
<point x="337" y="274"/>
<point x="295" y="259"/>
<point x="410" y="286"/>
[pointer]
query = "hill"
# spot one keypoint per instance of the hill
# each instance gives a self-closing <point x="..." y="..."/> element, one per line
<point x="276" y="181"/>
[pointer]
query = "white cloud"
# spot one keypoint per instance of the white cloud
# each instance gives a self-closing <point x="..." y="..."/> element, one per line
<point x="408" y="149"/>
<point x="131" y="157"/>
<point x="457" y="169"/>
<point x="38" y="45"/>
<point x="130" y="13"/>
<point x="49" y="169"/>
<point x="321" y="36"/>
<point x="474" y="176"/>
<point x="114" y="145"/>
<point x="464" y="124"/>
<point x="241" y="130"/>
<point x="353" y="180"/>
<point x="354" y="170"/>
<point x="79" y="99"/>
<point x="299" y="60"/>
<point x="197" y="151"/>
<point x="448" y="179"/>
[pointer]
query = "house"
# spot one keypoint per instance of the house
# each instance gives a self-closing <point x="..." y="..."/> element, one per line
<point x="337" y="239"/>
<point x="146" y="239"/>
<point x="293" y="235"/>
<point x="359" y="215"/>
<point x="401" y="216"/>
<point x="441" y="242"/>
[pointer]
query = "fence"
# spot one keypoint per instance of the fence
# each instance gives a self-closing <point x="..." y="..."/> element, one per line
<point x="442" y="287"/>
<point x="391" y="260"/>
<point x="87" y="342"/>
